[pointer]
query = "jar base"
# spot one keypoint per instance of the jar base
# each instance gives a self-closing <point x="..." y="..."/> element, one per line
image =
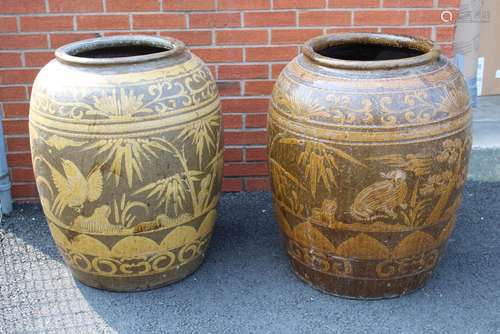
<point x="135" y="284"/>
<point x="358" y="288"/>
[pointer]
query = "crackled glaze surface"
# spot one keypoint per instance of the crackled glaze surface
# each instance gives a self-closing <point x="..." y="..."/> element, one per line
<point x="128" y="164"/>
<point x="367" y="171"/>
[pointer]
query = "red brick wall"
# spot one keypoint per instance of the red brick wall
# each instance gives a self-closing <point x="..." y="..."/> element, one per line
<point x="245" y="42"/>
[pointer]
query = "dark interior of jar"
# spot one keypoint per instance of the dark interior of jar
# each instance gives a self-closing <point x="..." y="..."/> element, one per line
<point x="120" y="51"/>
<point x="368" y="52"/>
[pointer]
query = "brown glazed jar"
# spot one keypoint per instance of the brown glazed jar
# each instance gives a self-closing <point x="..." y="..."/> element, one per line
<point x="369" y="140"/>
<point x="126" y="146"/>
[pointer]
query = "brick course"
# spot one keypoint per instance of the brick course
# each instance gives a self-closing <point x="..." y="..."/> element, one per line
<point x="246" y="44"/>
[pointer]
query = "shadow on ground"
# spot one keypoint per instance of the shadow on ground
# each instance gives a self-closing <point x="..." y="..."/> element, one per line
<point x="245" y="285"/>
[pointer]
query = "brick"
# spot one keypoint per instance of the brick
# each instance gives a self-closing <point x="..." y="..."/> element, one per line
<point x="188" y="5"/>
<point x="257" y="184"/>
<point x="271" y="53"/>
<point x="232" y="185"/>
<point x="190" y="37"/>
<point x="244" y="4"/>
<point x="128" y="32"/>
<point x="10" y="59"/>
<point x="231" y="72"/>
<point x="293" y="36"/>
<point x="351" y="29"/>
<point x="380" y="17"/>
<point x="276" y="69"/>
<point x="213" y="70"/>
<point x="408" y="3"/>
<point x="447" y="49"/>
<point x="229" y="88"/>
<point x="269" y="19"/>
<point x="22" y="6"/>
<point x="22" y="76"/>
<point x="256" y="121"/>
<point x="102" y="22"/>
<point x="253" y="88"/>
<point x="46" y="23"/>
<point x="24" y="190"/>
<point x="132" y="6"/>
<point x="256" y="154"/>
<point x="449" y="3"/>
<point x="430" y="17"/>
<point x="245" y="105"/>
<point x="22" y="174"/>
<point x="23" y="41"/>
<point x="233" y="154"/>
<point x="12" y="110"/>
<point x="214" y="20"/>
<point x="15" y="127"/>
<point x="241" y="37"/>
<point x="245" y="138"/>
<point x="445" y="34"/>
<point x="232" y="121"/>
<point x="75" y="6"/>
<point x="8" y="24"/>
<point x="325" y="18"/>
<point x="159" y="21"/>
<point x="18" y="144"/>
<point x="220" y="55"/>
<point x="245" y="169"/>
<point x="420" y="32"/>
<point x="38" y="59"/>
<point x="19" y="159"/>
<point x="57" y="40"/>
<point x="298" y="4"/>
<point x="14" y="93"/>
<point x="359" y="4"/>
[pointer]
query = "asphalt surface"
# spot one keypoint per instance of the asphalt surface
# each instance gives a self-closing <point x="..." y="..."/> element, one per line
<point x="246" y="286"/>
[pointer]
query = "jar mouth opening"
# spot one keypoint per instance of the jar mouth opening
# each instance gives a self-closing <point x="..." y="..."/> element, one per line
<point x="366" y="51"/>
<point x="119" y="50"/>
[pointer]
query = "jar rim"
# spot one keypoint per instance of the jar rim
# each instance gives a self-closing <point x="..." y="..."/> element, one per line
<point x="430" y="50"/>
<point x="69" y="53"/>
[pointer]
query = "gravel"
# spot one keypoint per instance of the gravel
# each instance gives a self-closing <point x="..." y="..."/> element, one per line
<point x="246" y="286"/>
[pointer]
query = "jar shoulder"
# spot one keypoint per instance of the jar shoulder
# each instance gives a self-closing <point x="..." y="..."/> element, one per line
<point x="148" y="89"/>
<point x="415" y="95"/>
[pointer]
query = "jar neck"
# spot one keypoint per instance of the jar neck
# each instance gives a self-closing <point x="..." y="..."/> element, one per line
<point x="119" y="50"/>
<point x="421" y="51"/>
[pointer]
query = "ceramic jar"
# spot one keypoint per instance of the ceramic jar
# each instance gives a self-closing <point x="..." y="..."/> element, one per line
<point x="126" y="146"/>
<point x="369" y="140"/>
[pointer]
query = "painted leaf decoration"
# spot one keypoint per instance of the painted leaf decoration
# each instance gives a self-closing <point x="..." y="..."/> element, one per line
<point x="59" y="180"/>
<point x="95" y="184"/>
<point x="60" y="143"/>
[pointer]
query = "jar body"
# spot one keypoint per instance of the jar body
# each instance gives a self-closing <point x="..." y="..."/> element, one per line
<point x="367" y="170"/>
<point x="127" y="161"/>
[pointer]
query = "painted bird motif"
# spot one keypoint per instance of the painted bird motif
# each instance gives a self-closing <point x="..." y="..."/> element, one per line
<point x="381" y="199"/>
<point x="98" y="222"/>
<point x="74" y="189"/>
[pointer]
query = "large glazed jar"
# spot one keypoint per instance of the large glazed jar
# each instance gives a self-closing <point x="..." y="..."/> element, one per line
<point x="369" y="140"/>
<point x="126" y="146"/>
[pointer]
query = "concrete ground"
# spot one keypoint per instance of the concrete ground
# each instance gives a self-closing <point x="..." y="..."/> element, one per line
<point x="245" y="284"/>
